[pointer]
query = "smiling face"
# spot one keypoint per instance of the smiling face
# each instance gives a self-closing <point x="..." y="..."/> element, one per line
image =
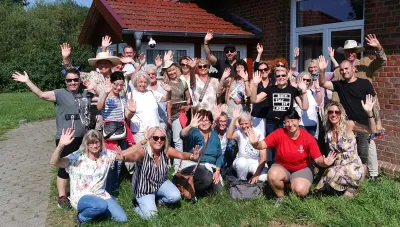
<point x="245" y="124"/>
<point x="313" y="68"/>
<point x="347" y="70"/>
<point x="104" y="66"/>
<point x="94" y="146"/>
<point x="292" y="125"/>
<point x="172" y="72"/>
<point x="281" y="78"/>
<point x="141" y="84"/>
<point x="72" y="81"/>
<point x="308" y="80"/>
<point x="152" y="75"/>
<point x="129" y="52"/>
<point x="157" y="140"/>
<point x="118" y="86"/>
<point x="205" y="124"/>
<point x="350" y="54"/>
<point x="230" y="54"/>
<point x="222" y="123"/>
<point x="185" y="66"/>
<point x="334" y="114"/>
<point x="203" y="67"/>
<point x="264" y="70"/>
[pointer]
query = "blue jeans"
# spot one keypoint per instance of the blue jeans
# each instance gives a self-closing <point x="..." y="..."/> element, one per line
<point x="311" y="129"/>
<point x="167" y="193"/>
<point x="90" y="206"/>
<point x="271" y="126"/>
<point x="114" y="172"/>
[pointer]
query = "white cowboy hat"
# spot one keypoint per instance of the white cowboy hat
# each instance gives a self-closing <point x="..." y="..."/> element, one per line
<point x="350" y="44"/>
<point x="104" y="56"/>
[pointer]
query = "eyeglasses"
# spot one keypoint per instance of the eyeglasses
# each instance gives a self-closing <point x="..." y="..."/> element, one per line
<point x="279" y="65"/>
<point x="278" y="76"/>
<point x="70" y="80"/>
<point x="184" y="65"/>
<point x="337" y="112"/>
<point x="229" y="51"/>
<point x="119" y="85"/>
<point x="156" y="138"/>
<point x="263" y="70"/>
<point x="307" y="80"/>
<point x="205" y="120"/>
<point x="202" y="66"/>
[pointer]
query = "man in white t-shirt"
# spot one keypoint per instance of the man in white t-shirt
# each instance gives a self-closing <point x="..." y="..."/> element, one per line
<point x="248" y="160"/>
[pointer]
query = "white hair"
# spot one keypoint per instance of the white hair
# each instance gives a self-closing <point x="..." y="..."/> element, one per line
<point x="138" y="74"/>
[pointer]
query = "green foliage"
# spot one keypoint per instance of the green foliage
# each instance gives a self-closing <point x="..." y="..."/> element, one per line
<point x="30" y="41"/>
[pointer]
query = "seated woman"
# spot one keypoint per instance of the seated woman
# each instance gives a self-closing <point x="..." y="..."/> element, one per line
<point x="227" y="145"/>
<point x="207" y="177"/>
<point x="88" y="169"/>
<point x="248" y="159"/>
<point x="151" y="175"/>
<point x="347" y="172"/>
<point x="295" y="149"/>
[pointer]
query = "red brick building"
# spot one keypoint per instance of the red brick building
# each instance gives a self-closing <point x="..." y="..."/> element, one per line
<point x="312" y="25"/>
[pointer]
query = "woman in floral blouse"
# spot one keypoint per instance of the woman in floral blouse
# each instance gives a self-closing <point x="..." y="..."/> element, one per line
<point x="88" y="169"/>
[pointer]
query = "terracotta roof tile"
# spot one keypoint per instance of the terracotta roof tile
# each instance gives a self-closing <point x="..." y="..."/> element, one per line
<point x="152" y="15"/>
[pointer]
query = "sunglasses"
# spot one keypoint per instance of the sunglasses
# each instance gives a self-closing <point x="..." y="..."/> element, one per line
<point x="184" y="65"/>
<point x="278" y="76"/>
<point x="279" y="65"/>
<point x="263" y="70"/>
<point x="202" y="66"/>
<point x="229" y="51"/>
<point x="307" y="80"/>
<point x="70" y="80"/>
<point x="337" y="112"/>
<point x="156" y="138"/>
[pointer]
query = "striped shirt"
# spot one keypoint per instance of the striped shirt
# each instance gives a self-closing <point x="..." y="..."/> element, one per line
<point x="148" y="177"/>
<point x="113" y="108"/>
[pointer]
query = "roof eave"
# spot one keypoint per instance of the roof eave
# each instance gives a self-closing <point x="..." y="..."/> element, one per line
<point x="189" y="34"/>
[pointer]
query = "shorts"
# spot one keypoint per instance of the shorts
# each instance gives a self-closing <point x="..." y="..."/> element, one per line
<point x="306" y="173"/>
<point x="69" y="149"/>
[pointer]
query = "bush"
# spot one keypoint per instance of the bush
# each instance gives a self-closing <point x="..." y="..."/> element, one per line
<point x="30" y="41"/>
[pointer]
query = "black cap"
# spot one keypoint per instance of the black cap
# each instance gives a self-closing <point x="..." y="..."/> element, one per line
<point x="229" y="46"/>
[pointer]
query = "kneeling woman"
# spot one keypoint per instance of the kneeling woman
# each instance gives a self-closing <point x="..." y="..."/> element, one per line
<point x="88" y="169"/>
<point x="347" y="171"/>
<point x="295" y="149"/>
<point x="151" y="175"/>
<point x="249" y="160"/>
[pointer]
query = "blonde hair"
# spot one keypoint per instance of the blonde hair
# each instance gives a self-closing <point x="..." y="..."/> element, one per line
<point x="278" y="69"/>
<point x="203" y="61"/>
<point x="91" y="136"/>
<point x="178" y="73"/>
<point x="342" y="122"/>
<point x="245" y="116"/>
<point x="152" y="130"/>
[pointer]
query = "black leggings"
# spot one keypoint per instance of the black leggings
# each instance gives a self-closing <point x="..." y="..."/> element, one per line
<point x="69" y="149"/>
<point x="203" y="180"/>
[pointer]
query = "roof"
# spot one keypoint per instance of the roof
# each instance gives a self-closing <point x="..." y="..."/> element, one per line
<point x="164" y="18"/>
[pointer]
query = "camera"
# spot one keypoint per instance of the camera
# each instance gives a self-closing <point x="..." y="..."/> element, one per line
<point x="152" y="43"/>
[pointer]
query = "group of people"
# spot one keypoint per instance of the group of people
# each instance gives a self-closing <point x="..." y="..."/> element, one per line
<point x="263" y="125"/>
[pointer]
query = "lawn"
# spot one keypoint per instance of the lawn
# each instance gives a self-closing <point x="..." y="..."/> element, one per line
<point x="18" y="106"/>
<point x="377" y="204"/>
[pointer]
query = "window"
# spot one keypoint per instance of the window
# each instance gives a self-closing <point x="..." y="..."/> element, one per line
<point x="318" y="24"/>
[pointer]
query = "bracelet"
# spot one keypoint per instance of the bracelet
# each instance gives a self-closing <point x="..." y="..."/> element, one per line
<point x="371" y="116"/>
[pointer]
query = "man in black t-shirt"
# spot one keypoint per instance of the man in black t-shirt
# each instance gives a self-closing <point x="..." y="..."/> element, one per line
<point x="351" y="90"/>
<point x="219" y="64"/>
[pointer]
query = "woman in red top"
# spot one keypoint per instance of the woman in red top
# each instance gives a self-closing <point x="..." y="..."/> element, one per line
<point x="294" y="149"/>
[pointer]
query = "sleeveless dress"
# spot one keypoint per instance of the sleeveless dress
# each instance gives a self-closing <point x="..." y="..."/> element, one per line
<point x="347" y="171"/>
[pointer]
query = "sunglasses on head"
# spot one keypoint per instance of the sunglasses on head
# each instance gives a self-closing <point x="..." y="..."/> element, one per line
<point x="337" y="112"/>
<point x="156" y="138"/>
<point x="263" y="70"/>
<point x="279" y="65"/>
<point x="70" y="80"/>
<point x="202" y="66"/>
<point x="278" y="76"/>
<point x="229" y="51"/>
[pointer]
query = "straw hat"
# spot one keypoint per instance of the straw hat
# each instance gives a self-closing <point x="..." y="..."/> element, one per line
<point x="103" y="56"/>
<point x="350" y="44"/>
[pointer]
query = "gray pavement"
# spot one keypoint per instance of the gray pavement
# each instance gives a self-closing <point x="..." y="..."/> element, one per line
<point x="25" y="174"/>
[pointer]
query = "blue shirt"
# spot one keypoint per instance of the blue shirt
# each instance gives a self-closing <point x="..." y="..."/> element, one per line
<point x="213" y="153"/>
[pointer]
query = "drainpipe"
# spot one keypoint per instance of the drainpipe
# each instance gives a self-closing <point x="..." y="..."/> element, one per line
<point x="138" y="41"/>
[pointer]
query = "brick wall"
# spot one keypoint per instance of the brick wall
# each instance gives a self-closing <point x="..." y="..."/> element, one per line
<point x="382" y="18"/>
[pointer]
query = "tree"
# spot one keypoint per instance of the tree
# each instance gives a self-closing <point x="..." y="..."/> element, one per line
<point x="23" y="2"/>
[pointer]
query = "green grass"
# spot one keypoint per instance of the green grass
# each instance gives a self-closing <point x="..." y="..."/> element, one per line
<point x="18" y="106"/>
<point x="377" y="204"/>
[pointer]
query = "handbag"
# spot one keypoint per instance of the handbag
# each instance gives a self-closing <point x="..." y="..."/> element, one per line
<point x="115" y="130"/>
<point x="240" y="189"/>
<point x="185" y="182"/>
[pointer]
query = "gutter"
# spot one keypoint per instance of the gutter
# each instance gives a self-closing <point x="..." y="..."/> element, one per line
<point x="189" y="34"/>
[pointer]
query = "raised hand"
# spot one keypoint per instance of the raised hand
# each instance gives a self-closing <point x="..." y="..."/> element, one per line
<point x="127" y="60"/>
<point x="158" y="60"/>
<point x="372" y="41"/>
<point x="118" y="152"/>
<point x="322" y="62"/>
<point x="196" y="152"/>
<point x="67" y="136"/>
<point x="168" y="55"/>
<point x="166" y="86"/>
<point x="330" y="159"/>
<point x="369" y="104"/>
<point x="107" y="86"/>
<point x="192" y="63"/>
<point x="331" y="52"/>
<point x="65" y="50"/>
<point x="90" y="86"/>
<point x="293" y="81"/>
<point x="260" y="48"/>
<point x="226" y="73"/>
<point x="131" y="105"/>
<point x="218" y="111"/>
<point x="296" y="53"/>
<point x="195" y="122"/>
<point x="142" y="59"/>
<point x="316" y="84"/>
<point x="257" y="77"/>
<point x="301" y="84"/>
<point x="105" y="42"/>
<point x="20" y="78"/>
<point x="253" y="138"/>
<point x="209" y="36"/>
<point x="236" y="112"/>
<point x="244" y="74"/>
